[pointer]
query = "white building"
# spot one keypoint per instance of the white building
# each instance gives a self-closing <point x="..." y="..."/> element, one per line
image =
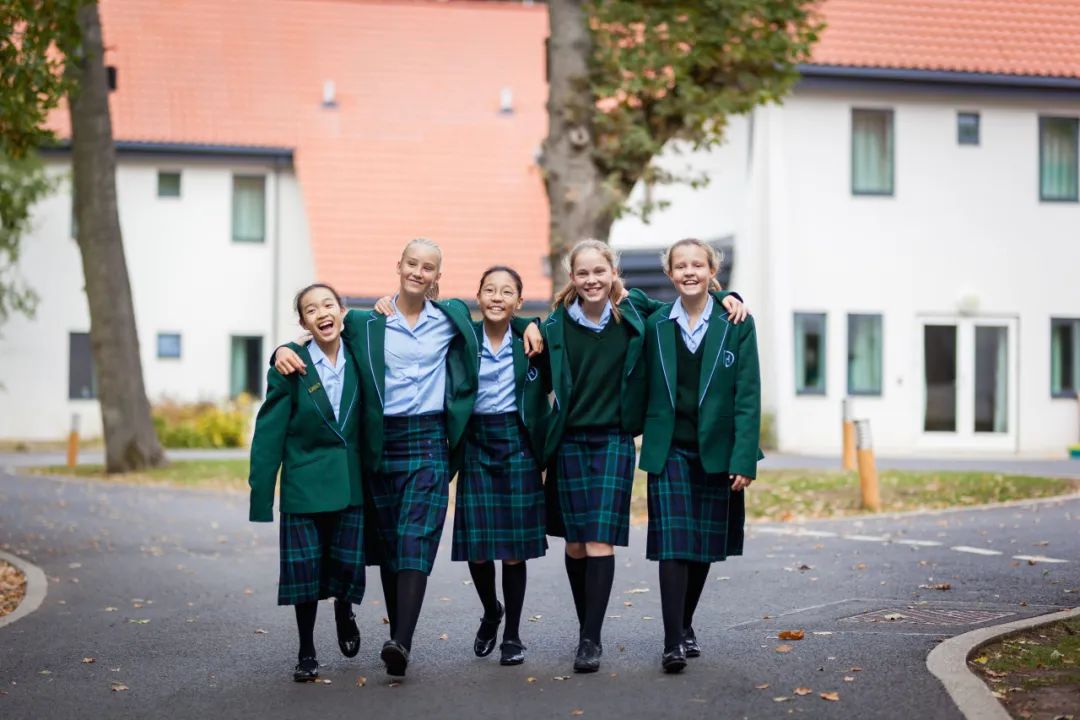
<point x="908" y="236"/>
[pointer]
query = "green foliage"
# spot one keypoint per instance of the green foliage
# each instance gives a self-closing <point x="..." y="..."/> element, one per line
<point x="768" y="430"/>
<point x="22" y="184"/>
<point x="202" y="425"/>
<point x="665" y="70"/>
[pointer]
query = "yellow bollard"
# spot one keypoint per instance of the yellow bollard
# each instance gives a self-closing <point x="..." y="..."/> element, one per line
<point x="868" y="479"/>
<point x="849" y="436"/>
<point x="73" y="442"/>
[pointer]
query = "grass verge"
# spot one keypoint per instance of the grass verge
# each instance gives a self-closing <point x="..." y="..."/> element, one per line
<point x="1035" y="674"/>
<point x="210" y="474"/>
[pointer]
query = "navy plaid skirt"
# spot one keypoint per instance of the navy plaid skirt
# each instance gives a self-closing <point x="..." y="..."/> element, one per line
<point x="499" y="512"/>
<point x="595" y="474"/>
<point x="407" y="497"/>
<point x="322" y="555"/>
<point x="693" y="515"/>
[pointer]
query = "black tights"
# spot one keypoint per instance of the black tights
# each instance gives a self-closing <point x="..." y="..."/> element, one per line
<point x="681" y="585"/>
<point x="404" y="595"/>
<point x="590" y="584"/>
<point x="305" y="623"/>
<point x="514" y="578"/>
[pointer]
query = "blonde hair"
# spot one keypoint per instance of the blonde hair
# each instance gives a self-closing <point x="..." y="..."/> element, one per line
<point x="433" y="291"/>
<point x="716" y="257"/>
<point x="568" y="295"/>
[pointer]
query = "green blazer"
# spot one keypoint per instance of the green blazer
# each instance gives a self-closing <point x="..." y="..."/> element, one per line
<point x="729" y="405"/>
<point x="365" y="337"/>
<point x="531" y="380"/>
<point x="317" y="454"/>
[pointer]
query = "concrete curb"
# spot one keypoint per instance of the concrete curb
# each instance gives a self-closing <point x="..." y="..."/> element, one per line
<point x="948" y="663"/>
<point x="36" y="588"/>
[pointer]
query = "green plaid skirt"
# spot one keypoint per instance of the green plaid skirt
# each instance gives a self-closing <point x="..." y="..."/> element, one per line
<point x="408" y="496"/>
<point x="499" y="512"/>
<point x="693" y="515"/>
<point x="322" y="555"/>
<point x="594" y="475"/>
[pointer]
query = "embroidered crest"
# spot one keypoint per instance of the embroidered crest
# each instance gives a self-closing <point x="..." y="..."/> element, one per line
<point x="729" y="358"/>
<point x="532" y="374"/>
<point x="313" y="388"/>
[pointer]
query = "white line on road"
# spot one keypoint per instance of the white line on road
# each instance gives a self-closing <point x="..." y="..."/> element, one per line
<point x="1039" y="558"/>
<point x="919" y="543"/>
<point x="775" y="531"/>
<point x="867" y="538"/>
<point x="975" y="550"/>
<point x="803" y="532"/>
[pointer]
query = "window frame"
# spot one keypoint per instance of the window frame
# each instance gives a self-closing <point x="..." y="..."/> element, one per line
<point x="71" y="369"/>
<point x="232" y="208"/>
<point x="796" y="327"/>
<point x="890" y="113"/>
<point x="179" y="184"/>
<point x="1072" y="392"/>
<point x="960" y="114"/>
<point x="880" y="355"/>
<point x="179" y="346"/>
<point x="1076" y="158"/>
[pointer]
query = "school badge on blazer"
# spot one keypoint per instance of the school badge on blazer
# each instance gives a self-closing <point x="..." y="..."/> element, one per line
<point x="313" y="388"/>
<point x="532" y="374"/>
<point x="729" y="358"/>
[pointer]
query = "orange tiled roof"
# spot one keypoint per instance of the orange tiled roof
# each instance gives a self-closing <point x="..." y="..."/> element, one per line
<point x="415" y="146"/>
<point x="1014" y="37"/>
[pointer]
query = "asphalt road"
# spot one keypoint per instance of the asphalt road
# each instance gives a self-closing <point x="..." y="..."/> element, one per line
<point x="172" y="593"/>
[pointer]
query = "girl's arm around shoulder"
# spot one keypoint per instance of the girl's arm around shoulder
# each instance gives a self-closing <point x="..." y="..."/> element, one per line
<point x="644" y="304"/>
<point x="746" y="452"/>
<point x="268" y="445"/>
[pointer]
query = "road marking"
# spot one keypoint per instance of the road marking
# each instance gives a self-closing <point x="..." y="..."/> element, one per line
<point x="919" y="543"/>
<point x="803" y="532"/>
<point x="866" y="538"/>
<point x="975" y="550"/>
<point x="775" y="531"/>
<point x="1039" y="558"/>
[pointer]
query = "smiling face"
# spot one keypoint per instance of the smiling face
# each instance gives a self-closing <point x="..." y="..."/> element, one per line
<point x="690" y="271"/>
<point x="499" y="296"/>
<point x="418" y="269"/>
<point x="321" y="314"/>
<point x="592" y="276"/>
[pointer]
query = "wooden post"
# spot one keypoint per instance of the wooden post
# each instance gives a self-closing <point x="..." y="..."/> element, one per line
<point x="868" y="477"/>
<point x="849" y="436"/>
<point x="73" y="442"/>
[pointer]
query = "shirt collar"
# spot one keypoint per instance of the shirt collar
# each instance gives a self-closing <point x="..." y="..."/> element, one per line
<point x="319" y="357"/>
<point x="429" y="311"/>
<point x="507" y="341"/>
<point x="678" y="314"/>
<point x="578" y="313"/>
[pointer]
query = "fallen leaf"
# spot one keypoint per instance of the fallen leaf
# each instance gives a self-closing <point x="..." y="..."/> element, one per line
<point x="577" y="712"/>
<point x="848" y="678"/>
<point x="995" y="673"/>
<point x="822" y="632"/>
<point x="561" y="677"/>
<point x="386" y="621"/>
<point x="260" y="631"/>
<point x="75" y="566"/>
<point x="110" y="609"/>
<point x="893" y="616"/>
<point x="982" y="659"/>
<point x="393" y="683"/>
<point x="804" y="567"/>
<point x="784" y="648"/>
<point x="647" y="617"/>
<point x="855" y="669"/>
<point x="249" y="591"/>
<point x="466" y="582"/>
<point x="361" y="681"/>
<point x="627" y="603"/>
<point x="858" y="566"/>
<point x="937" y="586"/>
<point x="536" y="618"/>
<point x="119" y="687"/>
<point x="138" y="621"/>
<point x="830" y="696"/>
<point x="444" y="636"/>
<point x="792" y="634"/>
<point x="636" y="591"/>
<point x="782" y="698"/>
<point x="802" y="691"/>
<point x="44" y="672"/>
<point x="762" y="686"/>
<point x="88" y="660"/>
<point x="530" y="680"/>
<point x="444" y="599"/>
<point x="137" y="606"/>
<point x="326" y="681"/>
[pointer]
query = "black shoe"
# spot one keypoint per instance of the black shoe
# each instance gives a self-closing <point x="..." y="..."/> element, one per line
<point x="689" y="642"/>
<point x="674" y="660"/>
<point x="588" y="656"/>
<point x="307" y="670"/>
<point x="487" y="634"/>
<point x="513" y="652"/>
<point x="348" y="635"/>
<point x="396" y="658"/>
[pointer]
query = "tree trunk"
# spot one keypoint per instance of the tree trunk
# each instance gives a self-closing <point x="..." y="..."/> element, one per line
<point x="131" y="442"/>
<point x="581" y="206"/>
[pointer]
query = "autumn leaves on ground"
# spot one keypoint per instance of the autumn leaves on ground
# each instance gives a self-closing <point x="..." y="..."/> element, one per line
<point x="12" y="588"/>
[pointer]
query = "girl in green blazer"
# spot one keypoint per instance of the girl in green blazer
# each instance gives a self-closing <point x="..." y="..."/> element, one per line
<point x="418" y="376"/>
<point x="700" y="445"/>
<point x="307" y="428"/>
<point x="595" y="337"/>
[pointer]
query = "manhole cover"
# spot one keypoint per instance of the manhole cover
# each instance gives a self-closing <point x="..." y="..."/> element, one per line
<point x="928" y="616"/>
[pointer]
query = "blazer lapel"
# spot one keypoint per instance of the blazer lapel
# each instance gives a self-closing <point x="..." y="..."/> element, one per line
<point x="349" y="390"/>
<point x="312" y="387"/>
<point x="715" y="336"/>
<point x="376" y="344"/>
<point x="669" y="364"/>
<point x="555" y="327"/>
<point x="636" y="324"/>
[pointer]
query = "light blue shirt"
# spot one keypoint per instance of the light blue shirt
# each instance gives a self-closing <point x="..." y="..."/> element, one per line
<point x="332" y="377"/>
<point x="692" y="338"/>
<point x="578" y="315"/>
<point x="416" y="361"/>
<point x="496" y="392"/>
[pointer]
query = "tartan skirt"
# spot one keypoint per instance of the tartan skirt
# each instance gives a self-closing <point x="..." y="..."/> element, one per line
<point x="322" y="555"/>
<point x="693" y="515"/>
<point x="408" y="495"/>
<point x="499" y="512"/>
<point x="595" y="474"/>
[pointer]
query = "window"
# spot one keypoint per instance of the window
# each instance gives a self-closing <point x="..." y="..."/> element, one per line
<point x="82" y="384"/>
<point x="168" y="184"/>
<point x="872" y="152"/>
<point x="246" y="368"/>
<point x="249" y="208"/>
<point x="168" y="345"/>
<point x="1064" y="357"/>
<point x="810" y="353"/>
<point x="967" y="128"/>
<point x="1057" y="159"/>
<point x="864" y="355"/>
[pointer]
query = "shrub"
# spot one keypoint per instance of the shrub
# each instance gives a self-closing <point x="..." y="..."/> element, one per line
<point x="768" y="430"/>
<point x="202" y="424"/>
